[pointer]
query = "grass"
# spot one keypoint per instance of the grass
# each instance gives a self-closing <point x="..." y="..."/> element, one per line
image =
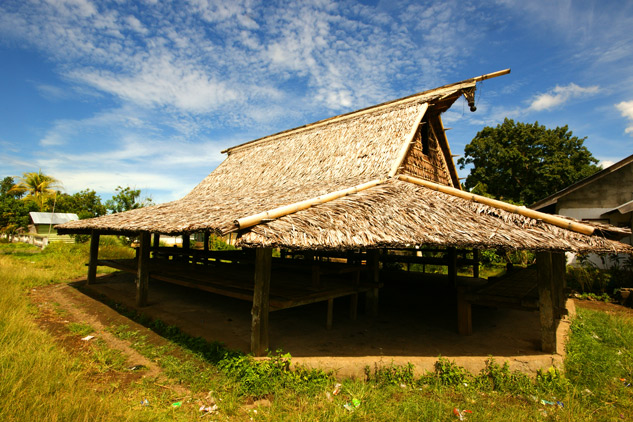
<point x="41" y="380"/>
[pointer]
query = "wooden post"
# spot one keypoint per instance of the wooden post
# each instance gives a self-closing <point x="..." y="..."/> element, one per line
<point x="205" y="247"/>
<point x="155" y="245"/>
<point x="94" y="256"/>
<point x="551" y="281"/>
<point x="464" y="314"/>
<point x="142" y="278"/>
<point x="186" y="245"/>
<point x="452" y="266"/>
<point x="476" y="263"/>
<point x="330" y="313"/>
<point x="259" y="313"/>
<point x="373" y="264"/>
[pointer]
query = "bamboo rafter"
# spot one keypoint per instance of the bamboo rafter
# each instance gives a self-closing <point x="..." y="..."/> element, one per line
<point x="521" y="210"/>
<point x="252" y="220"/>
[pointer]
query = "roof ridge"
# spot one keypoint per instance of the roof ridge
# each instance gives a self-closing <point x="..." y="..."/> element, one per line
<point x="411" y="99"/>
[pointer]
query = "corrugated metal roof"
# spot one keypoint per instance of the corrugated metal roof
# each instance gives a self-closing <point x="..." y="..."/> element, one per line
<point x="52" y="218"/>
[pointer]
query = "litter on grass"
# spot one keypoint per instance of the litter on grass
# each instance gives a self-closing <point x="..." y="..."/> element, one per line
<point x="461" y="414"/>
<point x="88" y="338"/>
<point x="209" y="409"/>
<point x="352" y="406"/>
<point x="337" y="389"/>
<point x="177" y="404"/>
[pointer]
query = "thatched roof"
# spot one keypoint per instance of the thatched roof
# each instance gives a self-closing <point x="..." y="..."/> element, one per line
<point x="370" y="145"/>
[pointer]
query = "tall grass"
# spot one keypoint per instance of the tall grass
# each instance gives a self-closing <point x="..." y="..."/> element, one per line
<point x="39" y="380"/>
<point x="42" y="381"/>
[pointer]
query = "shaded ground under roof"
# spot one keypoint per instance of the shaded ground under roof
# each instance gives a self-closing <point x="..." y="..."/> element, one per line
<point x="416" y="324"/>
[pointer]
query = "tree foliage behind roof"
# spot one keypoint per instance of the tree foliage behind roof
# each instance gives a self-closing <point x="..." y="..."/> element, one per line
<point x="523" y="162"/>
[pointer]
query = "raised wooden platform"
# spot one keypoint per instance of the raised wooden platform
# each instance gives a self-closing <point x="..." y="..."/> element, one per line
<point x="292" y="283"/>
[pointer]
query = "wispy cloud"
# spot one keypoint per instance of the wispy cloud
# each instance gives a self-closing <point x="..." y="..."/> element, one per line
<point x="560" y="95"/>
<point x="626" y="110"/>
<point x="212" y="54"/>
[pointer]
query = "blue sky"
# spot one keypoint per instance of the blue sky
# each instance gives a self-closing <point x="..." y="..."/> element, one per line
<point x="147" y="93"/>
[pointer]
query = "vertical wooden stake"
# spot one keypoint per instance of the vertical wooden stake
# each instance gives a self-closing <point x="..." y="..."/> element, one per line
<point x="94" y="256"/>
<point x="330" y="314"/>
<point x="207" y="237"/>
<point x="548" y="268"/>
<point x="373" y="265"/>
<point x="186" y="245"/>
<point x="452" y="266"/>
<point x="155" y="244"/>
<point x="259" y="313"/>
<point x="476" y="263"/>
<point x="142" y="277"/>
<point x="464" y="314"/>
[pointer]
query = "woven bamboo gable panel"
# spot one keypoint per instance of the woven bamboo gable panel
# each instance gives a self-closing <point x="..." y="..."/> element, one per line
<point x="430" y="164"/>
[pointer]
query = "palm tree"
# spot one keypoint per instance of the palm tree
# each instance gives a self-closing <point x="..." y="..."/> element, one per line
<point x="39" y="188"/>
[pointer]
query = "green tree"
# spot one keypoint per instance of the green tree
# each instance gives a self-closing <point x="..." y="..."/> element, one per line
<point x="126" y="199"/>
<point x="38" y="187"/>
<point x="522" y="162"/>
<point x="14" y="213"/>
<point x="5" y="187"/>
<point x="86" y="204"/>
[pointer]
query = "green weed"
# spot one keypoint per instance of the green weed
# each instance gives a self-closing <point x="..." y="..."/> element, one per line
<point x="80" y="329"/>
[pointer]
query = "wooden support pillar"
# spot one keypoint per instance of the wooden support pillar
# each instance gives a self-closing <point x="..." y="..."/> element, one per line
<point x="330" y="313"/>
<point x="142" y="277"/>
<point x="94" y="256"/>
<point x="464" y="314"/>
<point x="452" y="266"/>
<point x="551" y="282"/>
<point x="259" y="313"/>
<point x="476" y="263"/>
<point x="373" y="265"/>
<point x="155" y="245"/>
<point x="205" y="247"/>
<point x="186" y="245"/>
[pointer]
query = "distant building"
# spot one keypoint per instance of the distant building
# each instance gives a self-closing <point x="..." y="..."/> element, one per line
<point x="605" y="197"/>
<point x="43" y="224"/>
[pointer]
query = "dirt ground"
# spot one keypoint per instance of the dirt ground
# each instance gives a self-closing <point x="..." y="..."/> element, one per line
<point x="414" y="325"/>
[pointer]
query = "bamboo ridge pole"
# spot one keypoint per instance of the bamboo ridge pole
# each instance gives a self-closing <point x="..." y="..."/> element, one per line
<point x="491" y="75"/>
<point x="526" y="212"/>
<point x="449" y="89"/>
<point x="252" y="220"/>
<point x="408" y="141"/>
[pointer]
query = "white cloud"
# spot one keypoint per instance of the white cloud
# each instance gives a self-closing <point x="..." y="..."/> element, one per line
<point x="560" y="95"/>
<point x="626" y="110"/>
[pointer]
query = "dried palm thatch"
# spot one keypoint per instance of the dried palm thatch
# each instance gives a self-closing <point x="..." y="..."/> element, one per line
<point x="291" y="176"/>
<point x="401" y="214"/>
